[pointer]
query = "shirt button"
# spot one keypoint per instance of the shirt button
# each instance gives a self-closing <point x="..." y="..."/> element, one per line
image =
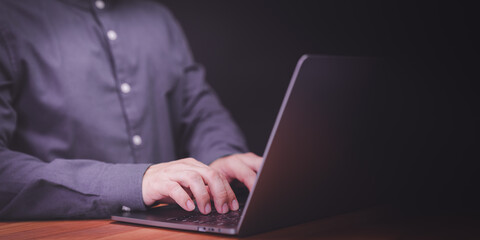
<point x="125" y="88"/>
<point x="137" y="140"/>
<point x="100" y="4"/>
<point x="112" y="35"/>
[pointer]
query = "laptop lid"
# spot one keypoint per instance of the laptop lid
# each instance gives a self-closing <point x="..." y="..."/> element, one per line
<point x="328" y="151"/>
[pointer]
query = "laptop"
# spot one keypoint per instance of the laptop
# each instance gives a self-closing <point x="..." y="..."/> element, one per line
<point x="325" y="155"/>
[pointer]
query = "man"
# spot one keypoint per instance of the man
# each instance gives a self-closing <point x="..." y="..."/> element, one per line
<point x="97" y="98"/>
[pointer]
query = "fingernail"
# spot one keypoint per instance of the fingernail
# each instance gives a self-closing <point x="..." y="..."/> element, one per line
<point x="190" y="205"/>
<point x="208" y="208"/>
<point x="225" y="208"/>
<point x="235" y="205"/>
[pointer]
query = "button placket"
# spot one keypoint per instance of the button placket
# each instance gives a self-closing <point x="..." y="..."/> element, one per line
<point x="123" y="86"/>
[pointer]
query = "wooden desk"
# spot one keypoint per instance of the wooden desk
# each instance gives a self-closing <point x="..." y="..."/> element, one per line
<point x="377" y="223"/>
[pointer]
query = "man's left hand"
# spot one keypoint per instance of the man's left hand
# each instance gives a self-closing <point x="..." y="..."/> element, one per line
<point x="242" y="166"/>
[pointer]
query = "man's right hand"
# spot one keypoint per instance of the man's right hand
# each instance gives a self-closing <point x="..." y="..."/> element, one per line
<point x="179" y="181"/>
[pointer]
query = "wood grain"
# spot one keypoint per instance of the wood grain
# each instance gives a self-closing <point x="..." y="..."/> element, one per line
<point x="376" y="223"/>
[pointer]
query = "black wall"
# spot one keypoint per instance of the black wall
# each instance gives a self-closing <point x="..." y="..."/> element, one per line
<point x="250" y="49"/>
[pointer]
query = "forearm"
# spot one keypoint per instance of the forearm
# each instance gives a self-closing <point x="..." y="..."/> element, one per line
<point x="32" y="189"/>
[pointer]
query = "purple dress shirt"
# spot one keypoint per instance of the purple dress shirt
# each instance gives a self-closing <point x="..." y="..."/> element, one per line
<point x="92" y="92"/>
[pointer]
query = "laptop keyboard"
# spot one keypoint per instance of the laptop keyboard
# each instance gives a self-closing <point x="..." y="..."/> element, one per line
<point x="214" y="218"/>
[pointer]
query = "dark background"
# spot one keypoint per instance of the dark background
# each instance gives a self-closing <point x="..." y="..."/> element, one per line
<point x="250" y="49"/>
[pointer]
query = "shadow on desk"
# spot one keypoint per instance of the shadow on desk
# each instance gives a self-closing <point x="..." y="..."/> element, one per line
<point x="382" y="223"/>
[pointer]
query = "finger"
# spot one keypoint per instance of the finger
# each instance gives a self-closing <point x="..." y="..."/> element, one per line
<point x="189" y="192"/>
<point x="217" y="187"/>
<point x="232" y="199"/>
<point x="252" y="160"/>
<point x="180" y="196"/>
<point x="194" y="182"/>
<point x="246" y="175"/>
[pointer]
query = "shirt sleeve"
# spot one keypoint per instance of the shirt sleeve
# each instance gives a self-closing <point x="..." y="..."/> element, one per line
<point x="33" y="189"/>
<point x="209" y="130"/>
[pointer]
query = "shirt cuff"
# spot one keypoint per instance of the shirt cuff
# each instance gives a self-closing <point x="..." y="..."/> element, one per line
<point x="124" y="187"/>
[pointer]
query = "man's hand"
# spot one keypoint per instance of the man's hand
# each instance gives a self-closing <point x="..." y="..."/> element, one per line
<point x="243" y="167"/>
<point x="180" y="180"/>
